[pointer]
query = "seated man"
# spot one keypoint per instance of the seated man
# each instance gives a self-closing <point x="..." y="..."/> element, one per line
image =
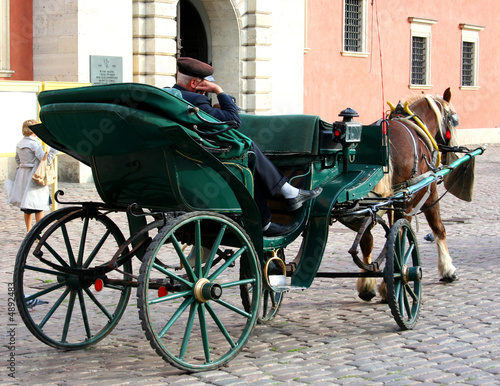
<point x="268" y="180"/>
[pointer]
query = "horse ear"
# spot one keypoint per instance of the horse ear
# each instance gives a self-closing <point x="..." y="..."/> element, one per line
<point x="447" y="95"/>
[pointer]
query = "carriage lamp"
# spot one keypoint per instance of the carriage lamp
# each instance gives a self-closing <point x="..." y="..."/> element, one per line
<point x="347" y="132"/>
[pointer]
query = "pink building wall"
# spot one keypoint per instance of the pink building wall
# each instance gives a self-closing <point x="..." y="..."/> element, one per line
<point x="333" y="82"/>
<point x="21" y="40"/>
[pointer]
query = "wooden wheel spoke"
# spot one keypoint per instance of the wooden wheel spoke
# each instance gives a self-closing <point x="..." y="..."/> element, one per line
<point x="45" y="291"/>
<point x="54" y="308"/>
<point x="69" y="314"/>
<point x="183" y="259"/>
<point x="204" y="333"/>
<point x="404" y="233"/>
<point x="168" y="298"/>
<point x="408" y="254"/>
<point x="83" y="309"/>
<point x="69" y="249"/>
<point x="188" y="329"/>
<point x="47" y="271"/>
<point x="173" y="275"/>
<point x="96" y="249"/>
<point x="238" y="282"/>
<point x="185" y="304"/>
<point x="233" y="308"/>
<point x="401" y="300"/>
<point x="410" y="292"/>
<point x="98" y="304"/>
<point x="220" y="325"/>
<point x="228" y="262"/>
<point x="56" y="255"/>
<point x="83" y="240"/>
<point x="397" y="289"/>
<point x="407" y="305"/>
<point x="197" y="249"/>
<point x="213" y="252"/>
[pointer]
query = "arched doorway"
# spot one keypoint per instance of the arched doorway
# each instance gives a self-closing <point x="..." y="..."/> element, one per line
<point x="193" y="36"/>
<point x="209" y="30"/>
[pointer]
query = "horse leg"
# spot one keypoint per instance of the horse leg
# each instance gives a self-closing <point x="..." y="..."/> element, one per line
<point x="366" y="285"/>
<point x="445" y="266"/>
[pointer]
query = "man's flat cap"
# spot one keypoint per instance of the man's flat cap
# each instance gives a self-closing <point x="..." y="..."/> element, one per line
<point x="193" y="67"/>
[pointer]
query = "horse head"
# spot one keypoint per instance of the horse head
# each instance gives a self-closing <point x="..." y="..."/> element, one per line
<point x="437" y="113"/>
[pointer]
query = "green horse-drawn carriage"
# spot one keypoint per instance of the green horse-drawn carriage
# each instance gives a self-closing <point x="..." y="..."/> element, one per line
<point x="181" y="179"/>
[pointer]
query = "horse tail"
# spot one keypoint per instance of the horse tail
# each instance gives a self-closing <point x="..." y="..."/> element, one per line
<point x="384" y="186"/>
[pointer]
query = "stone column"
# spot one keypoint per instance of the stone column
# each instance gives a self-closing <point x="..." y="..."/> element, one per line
<point x="256" y="23"/>
<point x="154" y="41"/>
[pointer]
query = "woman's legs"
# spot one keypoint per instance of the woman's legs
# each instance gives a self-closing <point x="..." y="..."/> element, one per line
<point x="38" y="215"/>
<point x="28" y="217"/>
<point x="27" y="220"/>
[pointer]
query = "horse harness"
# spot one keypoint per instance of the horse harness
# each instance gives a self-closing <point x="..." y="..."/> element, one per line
<point x="449" y="121"/>
<point x="406" y="118"/>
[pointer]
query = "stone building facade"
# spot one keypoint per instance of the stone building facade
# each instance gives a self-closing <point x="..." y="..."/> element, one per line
<point x="275" y="57"/>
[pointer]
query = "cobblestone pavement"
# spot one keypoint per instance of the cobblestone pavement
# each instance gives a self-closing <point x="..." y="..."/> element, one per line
<point x="324" y="335"/>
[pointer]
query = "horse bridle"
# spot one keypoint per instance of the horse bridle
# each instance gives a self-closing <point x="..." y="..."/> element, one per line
<point x="448" y="123"/>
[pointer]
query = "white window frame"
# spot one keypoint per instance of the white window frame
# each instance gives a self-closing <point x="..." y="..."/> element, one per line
<point x="364" y="28"/>
<point x="5" y="71"/>
<point x="470" y="33"/>
<point x="422" y="28"/>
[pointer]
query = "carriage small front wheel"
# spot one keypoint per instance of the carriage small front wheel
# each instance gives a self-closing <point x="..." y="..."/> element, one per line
<point x="189" y="291"/>
<point x="403" y="275"/>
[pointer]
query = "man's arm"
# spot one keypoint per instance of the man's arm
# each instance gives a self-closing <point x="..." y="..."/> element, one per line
<point x="228" y="110"/>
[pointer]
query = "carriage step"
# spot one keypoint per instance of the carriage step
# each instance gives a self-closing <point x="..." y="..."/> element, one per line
<point x="278" y="284"/>
<point x="287" y="288"/>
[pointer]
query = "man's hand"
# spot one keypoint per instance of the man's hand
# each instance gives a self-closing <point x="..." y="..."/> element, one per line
<point x="206" y="86"/>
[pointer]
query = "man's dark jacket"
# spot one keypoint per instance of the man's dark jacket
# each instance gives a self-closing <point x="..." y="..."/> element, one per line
<point x="228" y="110"/>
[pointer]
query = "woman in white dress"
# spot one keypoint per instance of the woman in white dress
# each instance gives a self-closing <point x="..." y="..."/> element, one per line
<point x="25" y="193"/>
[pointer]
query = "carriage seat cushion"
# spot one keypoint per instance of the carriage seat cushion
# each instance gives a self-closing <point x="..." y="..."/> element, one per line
<point x="283" y="134"/>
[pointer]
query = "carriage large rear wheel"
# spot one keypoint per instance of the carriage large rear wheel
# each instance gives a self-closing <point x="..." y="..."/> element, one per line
<point x="403" y="275"/>
<point x="189" y="291"/>
<point x="63" y="292"/>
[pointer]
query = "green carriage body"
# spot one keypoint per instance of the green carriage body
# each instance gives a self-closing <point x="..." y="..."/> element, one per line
<point x="142" y="145"/>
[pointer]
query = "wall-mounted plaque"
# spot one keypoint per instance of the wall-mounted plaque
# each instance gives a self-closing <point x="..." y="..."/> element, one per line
<point x="106" y="69"/>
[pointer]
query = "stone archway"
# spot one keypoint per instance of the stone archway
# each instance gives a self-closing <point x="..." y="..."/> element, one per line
<point x="240" y="47"/>
<point x="226" y="44"/>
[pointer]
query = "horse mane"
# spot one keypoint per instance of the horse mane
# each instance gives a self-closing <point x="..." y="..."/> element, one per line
<point x="431" y="99"/>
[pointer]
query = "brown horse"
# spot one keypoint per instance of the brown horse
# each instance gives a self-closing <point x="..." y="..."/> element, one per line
<point x="412" y="155"/>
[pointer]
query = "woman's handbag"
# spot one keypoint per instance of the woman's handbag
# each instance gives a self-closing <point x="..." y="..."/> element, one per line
<point x="44" y="173"/>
